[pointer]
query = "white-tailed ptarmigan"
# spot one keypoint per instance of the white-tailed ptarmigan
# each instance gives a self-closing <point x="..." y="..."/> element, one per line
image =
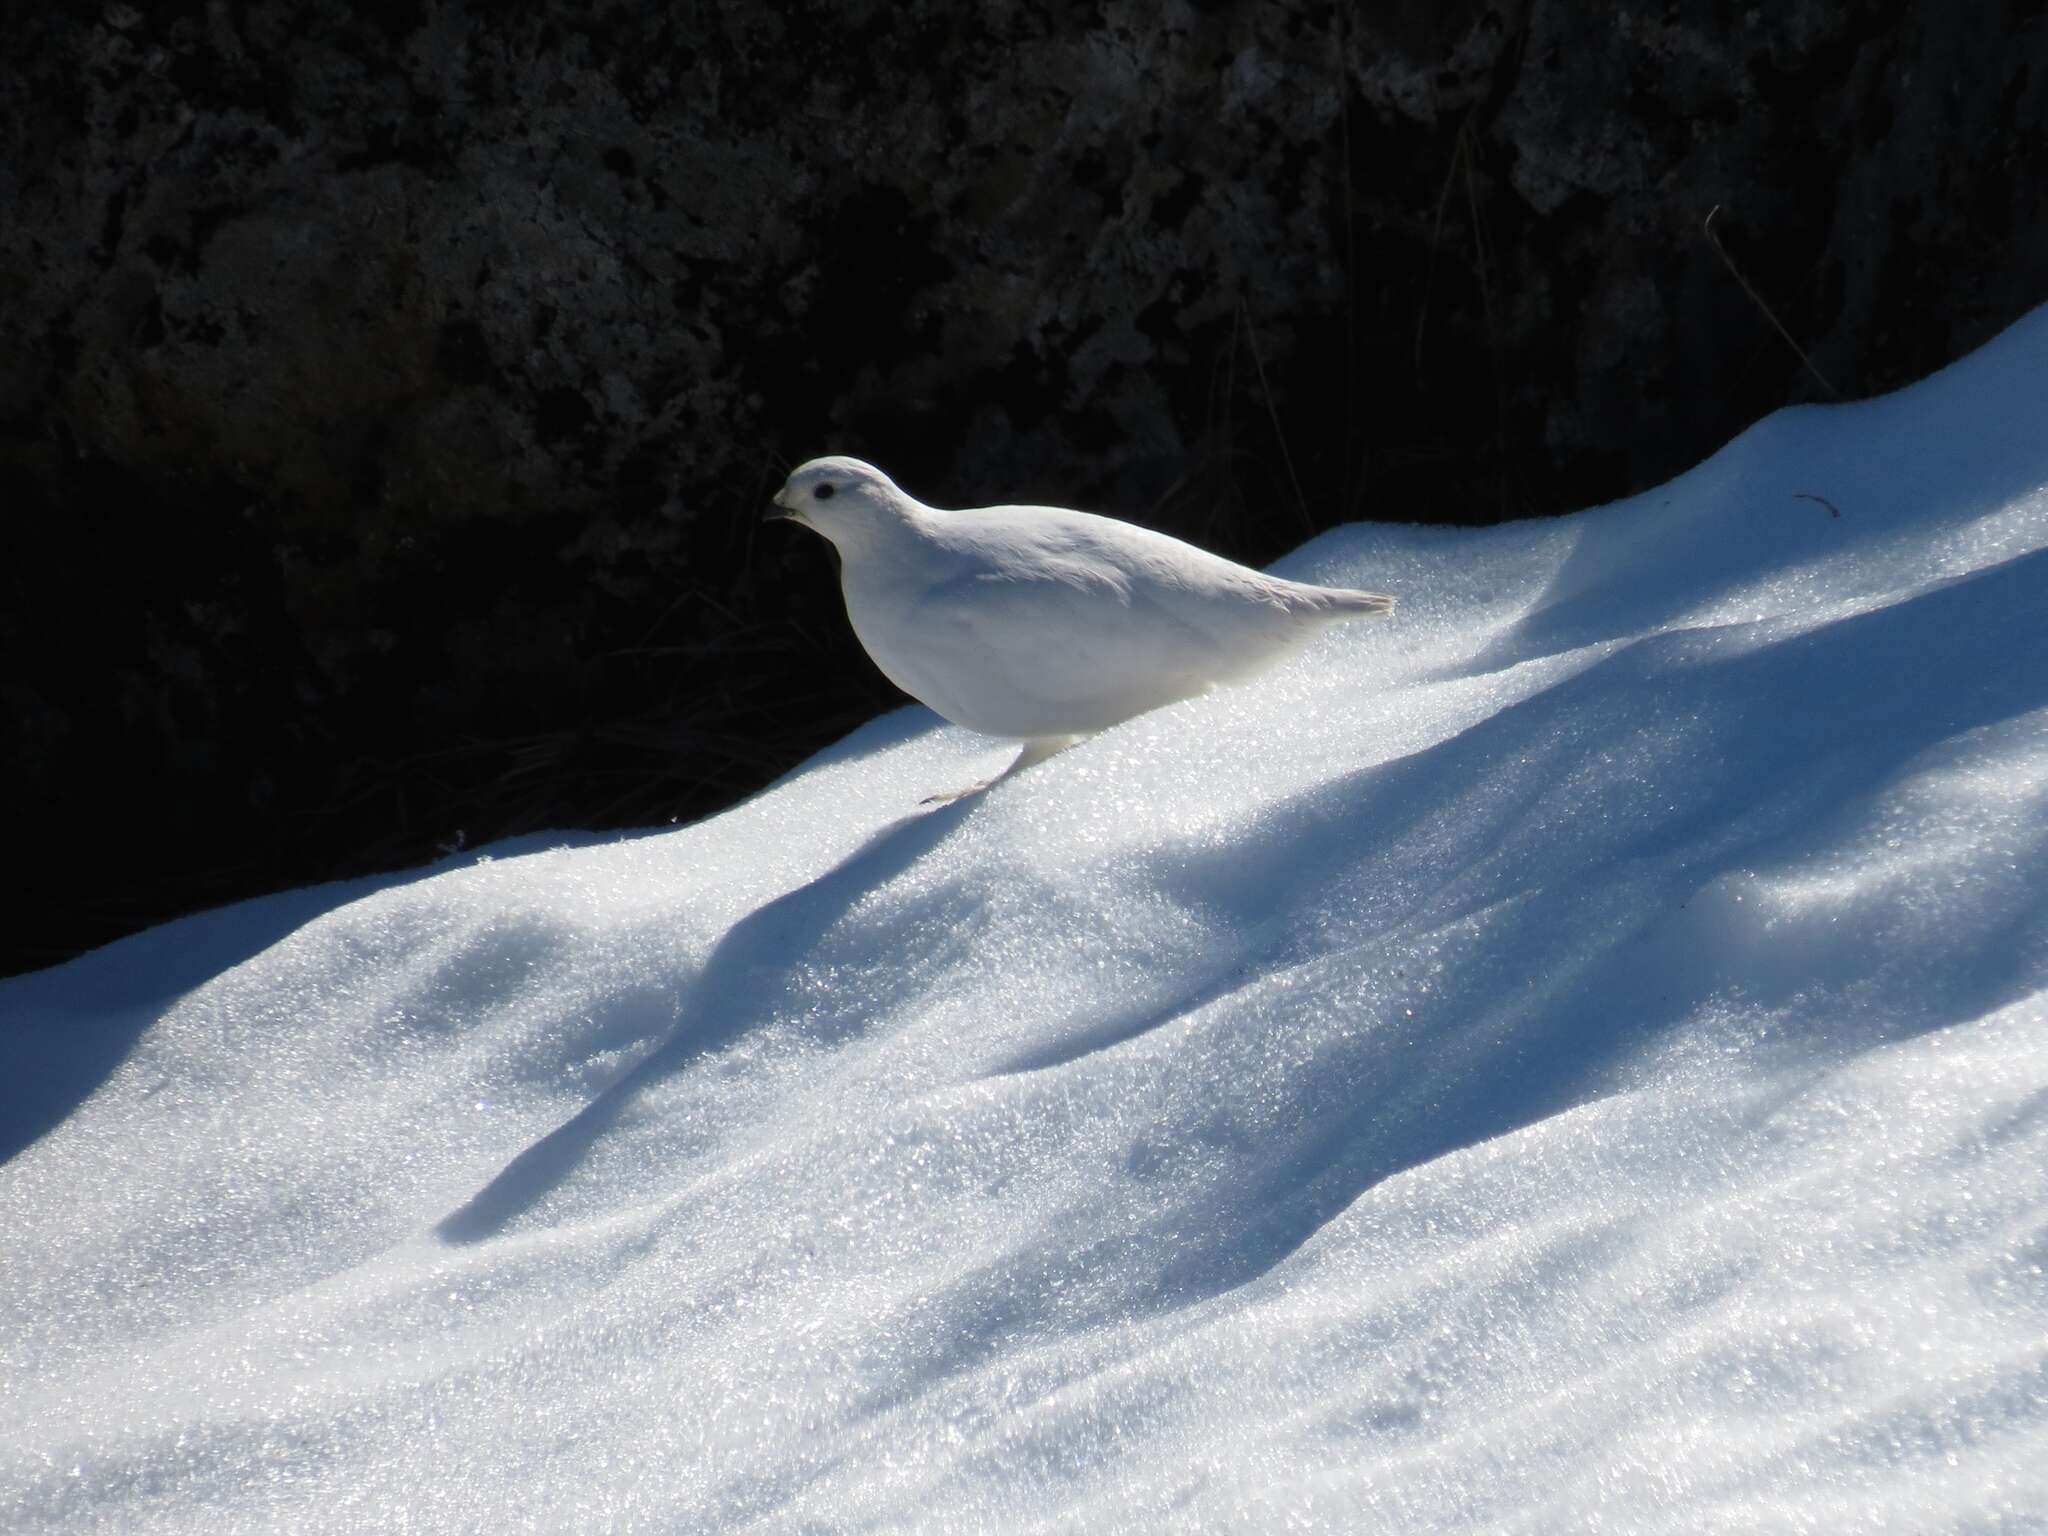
<point x="1041" y="624"/>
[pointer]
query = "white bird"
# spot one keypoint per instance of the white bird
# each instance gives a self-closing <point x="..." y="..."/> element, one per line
<point x="1040" y="624"/>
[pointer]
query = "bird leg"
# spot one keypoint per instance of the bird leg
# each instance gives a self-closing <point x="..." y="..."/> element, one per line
<point x="1035" y="752"/>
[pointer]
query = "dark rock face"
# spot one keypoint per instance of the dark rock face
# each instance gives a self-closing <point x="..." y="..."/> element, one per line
<point x="388" y="393"/>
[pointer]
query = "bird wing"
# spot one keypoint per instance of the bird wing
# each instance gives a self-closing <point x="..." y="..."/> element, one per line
<point x="1078" y="639"/>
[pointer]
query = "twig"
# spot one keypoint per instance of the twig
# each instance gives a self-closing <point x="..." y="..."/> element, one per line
<point x="1251" y="331"/>
<point x="1443" y="202"/>
<point x="1350" y="266"/>
<point x="1833" y="510"/>
<point x="1757" y="299"/>
<point x="1483" y="259"/>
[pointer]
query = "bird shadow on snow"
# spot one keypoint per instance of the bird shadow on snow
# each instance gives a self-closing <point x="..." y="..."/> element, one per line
<point x="767" y="940"/>
<point x="1578" y="917"/>
<point x="1576" y="932"/>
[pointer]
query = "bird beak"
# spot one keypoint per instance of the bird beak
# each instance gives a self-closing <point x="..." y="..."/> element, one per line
<point x="777" y="512"/>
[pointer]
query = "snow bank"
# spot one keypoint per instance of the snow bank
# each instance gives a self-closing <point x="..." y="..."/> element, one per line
<point x="1571" y="1058"/>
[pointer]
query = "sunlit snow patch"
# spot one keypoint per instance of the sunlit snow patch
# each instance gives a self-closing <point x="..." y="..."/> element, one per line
<point x="1570" y="1058"/>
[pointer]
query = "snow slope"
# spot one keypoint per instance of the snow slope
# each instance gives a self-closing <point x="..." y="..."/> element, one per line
<point x="1572" y="1058"/>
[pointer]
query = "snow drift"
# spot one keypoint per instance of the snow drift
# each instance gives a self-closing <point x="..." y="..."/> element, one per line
<point x="1570" y="1058"/>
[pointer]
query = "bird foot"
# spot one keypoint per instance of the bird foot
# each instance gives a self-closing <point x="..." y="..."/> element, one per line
<point x="1034" y="753"/>
<point x="950" y="796"/>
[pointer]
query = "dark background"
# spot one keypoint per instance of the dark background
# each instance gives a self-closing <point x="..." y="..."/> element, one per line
<point x="389" y="393"/>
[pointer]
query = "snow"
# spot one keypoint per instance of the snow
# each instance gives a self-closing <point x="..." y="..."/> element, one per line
<point x="1571" y="1058"/>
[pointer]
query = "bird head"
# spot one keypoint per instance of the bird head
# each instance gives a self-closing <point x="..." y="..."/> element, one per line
<point x="841" y="498"/>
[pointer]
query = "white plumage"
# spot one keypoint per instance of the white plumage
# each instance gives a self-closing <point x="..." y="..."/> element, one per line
<point x="1042" y="624"/>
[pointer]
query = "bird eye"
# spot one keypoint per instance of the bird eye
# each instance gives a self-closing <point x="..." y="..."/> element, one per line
<point x="822" y="492"/>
